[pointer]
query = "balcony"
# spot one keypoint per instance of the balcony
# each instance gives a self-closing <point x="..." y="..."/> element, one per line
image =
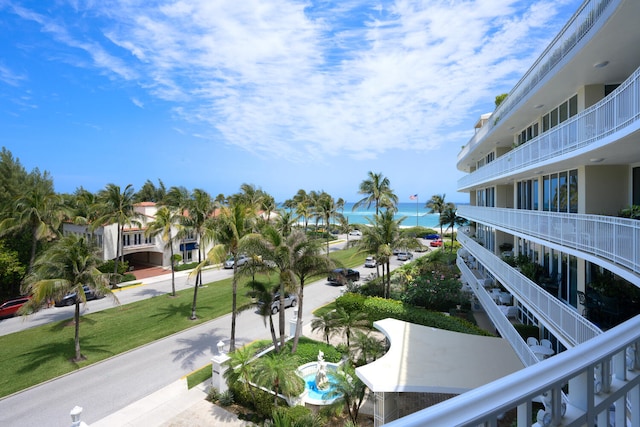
<point x="593" y="237"/>
<point x="599" y="375"/>
<point x="557" y="50"/>
<point x="618" y="112"/>
<point x="562" y="320"/>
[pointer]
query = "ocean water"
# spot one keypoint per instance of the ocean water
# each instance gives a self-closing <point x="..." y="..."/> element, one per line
<point x="414" y="215"/>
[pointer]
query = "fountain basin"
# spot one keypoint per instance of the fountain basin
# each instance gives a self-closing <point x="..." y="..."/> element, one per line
<point x="311" y="394"/>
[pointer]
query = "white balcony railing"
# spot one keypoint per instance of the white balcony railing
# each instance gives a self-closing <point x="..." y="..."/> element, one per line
<point x="619" y="110"/>
<point x="499" y="320"/>
<point x="610" y="238"/>
<point x="559" y="48"/>
<point x="600" y="378"/>
<point x="562" y="320"/>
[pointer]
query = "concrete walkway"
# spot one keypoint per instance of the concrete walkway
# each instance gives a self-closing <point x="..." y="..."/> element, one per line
<point x="173" y="406"/>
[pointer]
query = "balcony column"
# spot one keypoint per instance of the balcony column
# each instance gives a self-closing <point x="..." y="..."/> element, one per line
<point x="633" y="399"/>
<point x="524" y="414"/>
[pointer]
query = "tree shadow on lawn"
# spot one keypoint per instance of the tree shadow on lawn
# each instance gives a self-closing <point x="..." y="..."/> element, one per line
<point x="177" y="310"/>
<point x="193" y="348"/>
<point x="148" y="292"/>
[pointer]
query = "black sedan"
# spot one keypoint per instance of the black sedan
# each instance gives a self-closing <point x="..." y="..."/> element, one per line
<point x="340" y="276"/>
<point x="70" y="299"/>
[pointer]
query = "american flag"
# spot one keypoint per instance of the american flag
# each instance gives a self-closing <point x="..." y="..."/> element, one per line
<point x="413" y="197"/>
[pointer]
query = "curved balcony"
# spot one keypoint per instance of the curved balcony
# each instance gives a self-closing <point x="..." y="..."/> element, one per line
<point x="562" y="320"/>
<point x="617" y="112"/>
<point x="616" y="240"/>
<point x="558" y="49"/>
<point x="599" y="374"/>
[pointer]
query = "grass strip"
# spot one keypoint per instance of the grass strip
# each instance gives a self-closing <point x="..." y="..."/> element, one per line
<point x="199" y="376"/>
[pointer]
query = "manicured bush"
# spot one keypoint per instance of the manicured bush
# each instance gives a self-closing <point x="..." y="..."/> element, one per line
<point x="260" y="401"/>
<point x="307" y="351"/>
<point x="380" y="308"/>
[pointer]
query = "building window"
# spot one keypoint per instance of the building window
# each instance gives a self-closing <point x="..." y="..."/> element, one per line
<point x="527" y="197"/>
<point x="560" y="192"/>
<point x="561" y="113"/>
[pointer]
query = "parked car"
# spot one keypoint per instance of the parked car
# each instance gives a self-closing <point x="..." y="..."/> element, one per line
<point x="70" y="298"/>
<point x="404" y="256"/>
<point x="242" y="260"/>
<point x="436" y="243"/>
<point x="355" y="233"/>
<point x="10" y="307"/>
<point x="370" y="262"/>
<point x="432" y="237"/>
<point x="290" y="300"/>
<point x="341" y="276"/>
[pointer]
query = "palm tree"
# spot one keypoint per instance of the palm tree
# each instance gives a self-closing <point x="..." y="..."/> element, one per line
<point x="67" y="266"/>
<point x="436" y="204"/>
<point x="39" y="210"/>
<point x="381" y="238"/>
<point x="240" y="368"/>
<point x="348" y="321"/>
<point x="368" y="346"/>
<point x="325" y="323"/>
<point x="117" y="207"/>
<point x="306" y="262"/>
<point x="350" y="388"/>
<point x="165" y="220"/>
<point x="326" y="209"/>
<point x="378" y="192"/>
<point x="232" y="225"/>
<point x="199" y="210"/>
<point x="277" y="373"/>
<point x="450" y="218"/>
<point x="285" y="221"/>
<point x="264" y="298"/>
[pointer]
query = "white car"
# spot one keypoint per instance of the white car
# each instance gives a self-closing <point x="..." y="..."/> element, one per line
<point x="370" y="262"/>
<point x="355" y="233"/>
<point x="242" y="259"/>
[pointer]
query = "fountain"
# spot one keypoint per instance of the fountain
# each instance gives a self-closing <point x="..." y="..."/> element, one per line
<point x="318" y="379"/>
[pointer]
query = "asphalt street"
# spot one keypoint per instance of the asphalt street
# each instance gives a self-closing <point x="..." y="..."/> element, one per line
<point x="110" y="385"/>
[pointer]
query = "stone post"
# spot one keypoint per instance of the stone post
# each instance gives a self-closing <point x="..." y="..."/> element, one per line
<point x="218" y="368"/>
<point x="293" y="322"/>
<point x="75" y="413"/>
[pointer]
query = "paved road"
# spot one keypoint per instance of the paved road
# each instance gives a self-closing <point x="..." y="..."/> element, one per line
<point x="108" y="386"/>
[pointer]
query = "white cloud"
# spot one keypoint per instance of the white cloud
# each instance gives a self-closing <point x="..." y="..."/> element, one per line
<point x="314" y="80"/>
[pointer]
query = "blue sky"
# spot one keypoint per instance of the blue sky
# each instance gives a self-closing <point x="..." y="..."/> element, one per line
<point x="281" y="94"/>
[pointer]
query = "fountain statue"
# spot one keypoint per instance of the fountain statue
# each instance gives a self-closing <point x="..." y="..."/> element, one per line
<point x="322" y="382"/>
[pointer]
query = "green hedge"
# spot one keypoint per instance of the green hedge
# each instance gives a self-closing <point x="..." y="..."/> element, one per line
<point x="260" y="401"/>
<point x="379" y="308"/>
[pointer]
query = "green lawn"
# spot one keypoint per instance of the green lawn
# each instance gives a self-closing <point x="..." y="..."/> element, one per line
<point x="42" y="353"/>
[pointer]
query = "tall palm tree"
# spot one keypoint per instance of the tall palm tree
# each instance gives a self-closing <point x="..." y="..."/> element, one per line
<point x="117" y="207"/>
<point x="306" y="262"/>
<point x="236" y="222"/>
<point x="67" y="266"/>
<point x="437" y="204"/>
<point x="377" y="191"/>
<point x="276" y="372"/>
<point x="163" y="223"/>
<point x="285" y="221"/>
<point x="326" y="209"/>
<point x="39" y="211"/>
<point x="450" y="218"/>
<point x="198" y="213"/>
<point x="381" y="238"/>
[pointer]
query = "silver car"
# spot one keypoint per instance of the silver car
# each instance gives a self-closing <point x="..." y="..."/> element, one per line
<point x="290" y="300"/>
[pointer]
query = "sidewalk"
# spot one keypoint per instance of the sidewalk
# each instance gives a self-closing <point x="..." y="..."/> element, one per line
<point x="173" y="406"/>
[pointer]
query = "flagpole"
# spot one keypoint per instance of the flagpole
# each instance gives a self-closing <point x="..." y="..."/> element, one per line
<point x="417" y="198"/>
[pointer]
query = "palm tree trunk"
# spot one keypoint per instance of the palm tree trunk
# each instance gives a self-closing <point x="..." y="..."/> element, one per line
<point x="234" y="309"/>
<point x="296" y="336"/>
<point x="173" y="272"/>
<point x="76" y="318"/>
<point x="195" y="288"/>
<point x="274" y="338"/>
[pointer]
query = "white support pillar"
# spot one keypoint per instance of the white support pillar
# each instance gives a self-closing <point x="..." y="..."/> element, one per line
<point x="218" y="368"/>
<point x="293" y="323"/>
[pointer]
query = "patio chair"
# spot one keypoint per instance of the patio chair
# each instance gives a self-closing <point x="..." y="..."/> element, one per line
<point x="532" y="341"/>
<point x="546" y="343"/>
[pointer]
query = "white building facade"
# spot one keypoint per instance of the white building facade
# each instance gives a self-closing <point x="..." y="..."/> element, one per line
<point x="547" y="174"/>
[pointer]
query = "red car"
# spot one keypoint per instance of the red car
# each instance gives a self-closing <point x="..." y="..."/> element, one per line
<point x="10" y="308"/>
<point x="435" y="243"/>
